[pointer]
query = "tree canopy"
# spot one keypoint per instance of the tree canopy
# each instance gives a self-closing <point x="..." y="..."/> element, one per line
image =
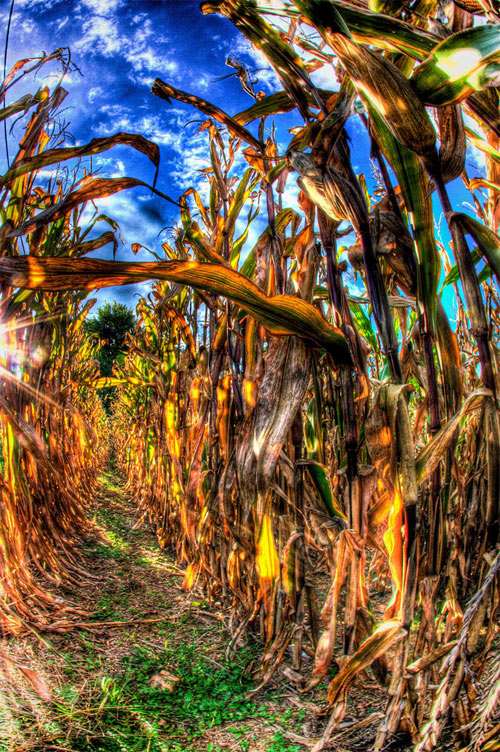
<point x="111" y="324"/>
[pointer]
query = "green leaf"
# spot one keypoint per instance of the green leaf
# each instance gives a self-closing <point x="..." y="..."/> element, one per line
<point x="363" y="325"/>
<point x="414" y="186"/>
<point x="459" y="65"/>
<point x="272" y="105"/>
<point x="322" y="484"/>
<point x="488" y="242"/>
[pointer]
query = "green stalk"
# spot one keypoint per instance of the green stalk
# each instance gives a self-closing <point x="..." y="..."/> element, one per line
<point x="471" y="288"/>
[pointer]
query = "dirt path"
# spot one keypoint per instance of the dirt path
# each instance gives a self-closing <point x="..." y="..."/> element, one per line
<point x="164" y="685"/>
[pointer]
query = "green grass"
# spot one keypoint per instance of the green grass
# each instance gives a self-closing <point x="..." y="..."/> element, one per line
<point x="104" y="703"/>
<point x="127" y="713"/>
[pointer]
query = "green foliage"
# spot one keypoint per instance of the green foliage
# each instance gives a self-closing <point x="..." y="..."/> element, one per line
<point x="280" y="744"/>
<point x="112" y="323"/>
<point x="142" y="709"/>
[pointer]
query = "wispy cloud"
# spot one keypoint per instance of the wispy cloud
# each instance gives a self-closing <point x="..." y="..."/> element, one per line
<point x="139" y="46"/>
<point x="99" y="36"/>
<point x="102" y="7"/>
<point x="95" y="93"/>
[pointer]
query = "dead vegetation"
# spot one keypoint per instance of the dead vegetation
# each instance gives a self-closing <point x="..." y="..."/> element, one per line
<point x="325" y="465"/>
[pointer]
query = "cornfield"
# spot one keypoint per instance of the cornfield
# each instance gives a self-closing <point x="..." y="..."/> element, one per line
<point x="324" y="461"/>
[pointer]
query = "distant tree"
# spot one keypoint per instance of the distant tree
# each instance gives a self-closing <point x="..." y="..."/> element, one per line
<point x="112" y="322"/>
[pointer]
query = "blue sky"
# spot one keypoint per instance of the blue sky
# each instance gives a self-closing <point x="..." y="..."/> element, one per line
<point x="119" y="47"/>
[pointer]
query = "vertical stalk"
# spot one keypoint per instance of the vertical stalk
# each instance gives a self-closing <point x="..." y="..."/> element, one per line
<point x="299" y="568"/>
<point x="471" y="288"/>
<point x="339" y="303"/>
<point x="376" y="287"/>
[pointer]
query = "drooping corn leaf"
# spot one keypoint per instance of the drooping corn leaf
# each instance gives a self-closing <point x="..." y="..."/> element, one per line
<point x="380" y="84"/>
<point x="483" y="145"/>
<point x="287" y="64"/>
<point x="93" y="189"/>
<point x="96" y="146"/>
<point x="453" y="142"/>
<point x="449" y="355"/>
<point x="378" y="29"/>
<point x="429" y="458"/>
<point x="281" y="315"/>
<point x="386" y="32"/>
<point x="487" y="241"/>
<point x="274" y="104"/>
<point x="168" y="92"/>
<point x="377" y="643"/>
<point x="81" y="249"/>
<point x="453" y="275"/>
<point x="374" y="646"/>
<point x="22" y="104"/>
<point x="484" y="105"/>
<point x="414" y="186"/>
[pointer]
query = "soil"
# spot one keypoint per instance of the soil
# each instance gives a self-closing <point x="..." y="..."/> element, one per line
<point x="120" y="680"/>
<point x="146" y="669"/>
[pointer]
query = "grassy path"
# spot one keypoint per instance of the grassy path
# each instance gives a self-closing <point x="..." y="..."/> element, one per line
<point x="159" y="686"/>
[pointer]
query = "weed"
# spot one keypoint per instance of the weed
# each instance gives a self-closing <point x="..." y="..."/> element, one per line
<point x="140" y="709"/>
<point x="104" y="609"/>
<point x="281" y="744"/>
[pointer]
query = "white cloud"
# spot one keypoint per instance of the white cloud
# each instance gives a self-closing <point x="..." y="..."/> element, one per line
<point x="124" y="208"/>
<point x="140" y="80"/>
<point x="94" y="93"/>
<point x="51" y="79"/>
<point x="325" y="78"/>
<point x="28" y="4"/>
<point x="190" y="147"/>
<point x="113" y="110"/>
<point x="99" y="35"/>
<point x="148" y="60"/>
<point x="476" y="158"/>
<point x="120" y="170"/>
<point x="27" y="26"/>
<point x="101" y="7"/>
<point x="203" y="82"/>
<point x="291" y="193"/>
<point x="102" y="33"/>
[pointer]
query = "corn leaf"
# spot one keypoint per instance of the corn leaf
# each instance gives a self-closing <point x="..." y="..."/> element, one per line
<point x="94" y="189"/>
<point x="378" y="81"/>
<point x="418" y="202"/>
<point x="459" y="65"/>
<point x="429" y="458"/>
<point x="281" y="315"/>
<point x="167" y="92"/>
<point x="96" y="146"/>
<point x="488" y="242"/>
